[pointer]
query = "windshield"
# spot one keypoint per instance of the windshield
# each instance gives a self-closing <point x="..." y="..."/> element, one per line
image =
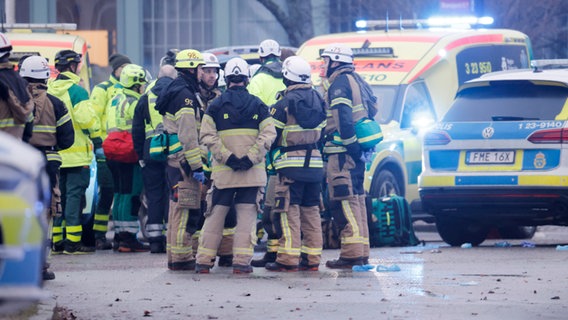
<point x="509" y="101"/>
<point x="386" y="96"/>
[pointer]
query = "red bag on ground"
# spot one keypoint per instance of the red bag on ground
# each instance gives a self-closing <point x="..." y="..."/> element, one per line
<point x="118" y="146"/>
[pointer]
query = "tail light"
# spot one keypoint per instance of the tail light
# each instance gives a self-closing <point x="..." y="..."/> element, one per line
<point x="436" y="138"/>
<point x="549" y="136"/>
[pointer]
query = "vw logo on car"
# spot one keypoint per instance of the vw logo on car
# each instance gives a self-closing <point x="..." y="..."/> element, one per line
<point x="488" y="132"/>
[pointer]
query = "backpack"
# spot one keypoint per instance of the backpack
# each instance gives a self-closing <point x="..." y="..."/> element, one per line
<point x="390" y="222"/>
<point x="367" y="130"/>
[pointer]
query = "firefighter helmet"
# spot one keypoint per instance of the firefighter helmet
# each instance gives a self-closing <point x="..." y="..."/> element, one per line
<point x="5" y="45"/>
<point x="296" y="69"/>
<point x="35" y="67"/>
<point x="211" y="60"/>
<point x="132" y="75"/>
<point x="236" y="67"/>
<point x="188" y="59"/>
<point x="338" y="52"/>
<point x="268" y="47"/>
<point x="65" y="57"/>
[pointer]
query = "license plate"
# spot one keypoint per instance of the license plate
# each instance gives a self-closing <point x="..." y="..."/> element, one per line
<point x="490" y="157"/>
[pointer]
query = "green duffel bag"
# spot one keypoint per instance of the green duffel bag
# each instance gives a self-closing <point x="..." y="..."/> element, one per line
<point x="368" y="133"/>
<point x="164" y="144"/>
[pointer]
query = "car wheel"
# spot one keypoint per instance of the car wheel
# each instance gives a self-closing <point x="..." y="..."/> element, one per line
<point x="456" y="231"/>
<point x="517" y="232"/>
<point x="385" y="184"/>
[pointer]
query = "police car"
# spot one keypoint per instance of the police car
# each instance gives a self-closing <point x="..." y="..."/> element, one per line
<point x="24" y="195"/>
<point x="499" y="157"/>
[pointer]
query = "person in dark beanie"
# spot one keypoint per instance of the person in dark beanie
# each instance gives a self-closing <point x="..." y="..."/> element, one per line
<point x="102" y="94"/>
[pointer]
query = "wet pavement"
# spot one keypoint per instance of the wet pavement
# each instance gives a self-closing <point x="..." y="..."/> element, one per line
<point x="434" y="282"/>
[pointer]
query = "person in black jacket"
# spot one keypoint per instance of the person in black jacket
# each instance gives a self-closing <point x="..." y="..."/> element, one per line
<point x="145" y="125"/>
<point x="181" y="113"/>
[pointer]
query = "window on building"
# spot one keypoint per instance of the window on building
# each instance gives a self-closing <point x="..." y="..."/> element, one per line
<point x="175" y="24"/>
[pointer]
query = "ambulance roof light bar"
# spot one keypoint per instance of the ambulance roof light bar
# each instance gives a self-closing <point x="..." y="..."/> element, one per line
<point x="437" y="22"/>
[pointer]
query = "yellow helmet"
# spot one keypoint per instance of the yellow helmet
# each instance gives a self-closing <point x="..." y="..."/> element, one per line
<point x="189" y="59"/>
<point x="131" y="75"/>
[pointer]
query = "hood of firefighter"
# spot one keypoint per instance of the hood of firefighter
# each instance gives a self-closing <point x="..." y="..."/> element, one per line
<point x="160" y="85"/>
<point x="172" y="89"/>
<point x="306" y="105"/>
<point x="242" y="103"/>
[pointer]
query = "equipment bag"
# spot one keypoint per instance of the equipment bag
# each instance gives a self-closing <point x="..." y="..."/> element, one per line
<point x="368" y="133"/>
<point x="164" y="144"/>
<point x="118" y="146"/>
<point x="390" y="222"/>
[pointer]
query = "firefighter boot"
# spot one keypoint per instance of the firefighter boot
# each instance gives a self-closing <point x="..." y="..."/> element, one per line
<point x="225" y="261"/>
<point x="129" y="243"/>
<point x="261" y="263"/>
<point x="344" y="263"/>
<point x="279" y="267"/>
<point x="305" y="264"/>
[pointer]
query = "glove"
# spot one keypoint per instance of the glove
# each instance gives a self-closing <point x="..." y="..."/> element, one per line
<point x="100" y="154"/>
<point x="367" y="155"/>
<point x="185" y="167"/>
<point x="233" y="162"/>
<point x="354" y="150"/>
<point x="245" y="163"/>
<point x="199" y="176"/>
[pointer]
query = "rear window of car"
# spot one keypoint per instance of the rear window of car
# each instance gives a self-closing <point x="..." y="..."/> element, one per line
<point x="508" y="101"/>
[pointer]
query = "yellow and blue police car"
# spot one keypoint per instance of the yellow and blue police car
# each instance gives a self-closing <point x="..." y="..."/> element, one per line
<point x="499" y="157"/>
<point x="24" y="196"/>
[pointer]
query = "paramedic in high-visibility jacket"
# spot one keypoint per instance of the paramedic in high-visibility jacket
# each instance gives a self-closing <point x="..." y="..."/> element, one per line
<point x="345" y="169"/>
<point x="299" y="117"/>
<point x="238" y="131"/>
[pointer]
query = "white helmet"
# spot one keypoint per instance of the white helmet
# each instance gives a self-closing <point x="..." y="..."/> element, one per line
<point x="211" y="60"/>
<point x="296" y="69"/>
<point x="236" y="67"/>
<point x="268" y="47"/>
<point x="5" y="45"/>
<point x="35" y="67"/>
<point x="338" y="52"/>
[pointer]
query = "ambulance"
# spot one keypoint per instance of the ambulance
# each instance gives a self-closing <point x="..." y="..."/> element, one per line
<point x="28" y="40"/>
<point x="415" y="74"/>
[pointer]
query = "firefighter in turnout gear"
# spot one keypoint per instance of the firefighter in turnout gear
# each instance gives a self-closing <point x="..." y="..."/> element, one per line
<point x="208" y="92"/>
<point x="345" y="169"/>
<point x="75" y="172"/>
<point x="238" y="131"/>
<point x="146" y="124"/>
<point x="180" y="109"/>
<point x="122" y="160"/>
<point x="299" y="117"/>
<point x="101" y="96"/>
<point x="266" y="83"/>
<point x="16" y="105"/>
<point x="52" y="129"/>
